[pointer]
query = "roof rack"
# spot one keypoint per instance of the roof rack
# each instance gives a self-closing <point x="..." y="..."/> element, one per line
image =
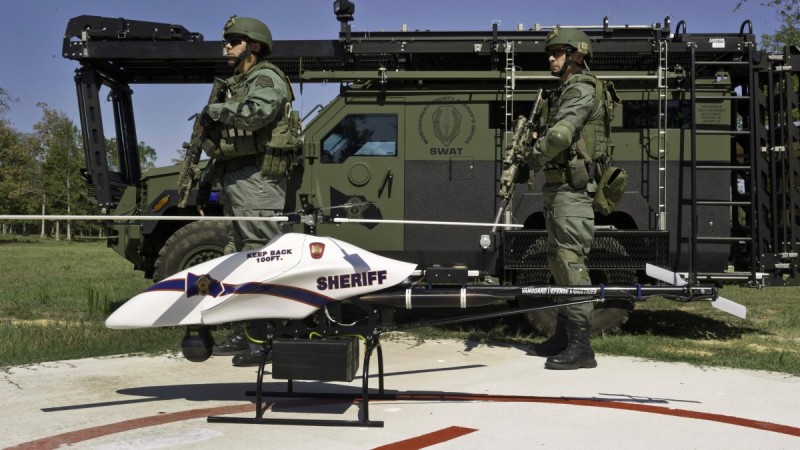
<point x="149" y="52"/>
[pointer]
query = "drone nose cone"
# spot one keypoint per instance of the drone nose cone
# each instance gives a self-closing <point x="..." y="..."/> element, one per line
<point x="133" y="314"/>
<point x="120" y="321"/>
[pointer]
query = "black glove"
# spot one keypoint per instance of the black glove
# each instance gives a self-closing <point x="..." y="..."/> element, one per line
<point x="203" y="195"/>
<point x="523" y="173"/>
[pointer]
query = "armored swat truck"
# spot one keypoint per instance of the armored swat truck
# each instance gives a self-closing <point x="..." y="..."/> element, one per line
<point x="417" y="136"/>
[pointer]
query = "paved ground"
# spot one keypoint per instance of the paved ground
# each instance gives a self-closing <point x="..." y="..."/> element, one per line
<point x="448" y="395"/>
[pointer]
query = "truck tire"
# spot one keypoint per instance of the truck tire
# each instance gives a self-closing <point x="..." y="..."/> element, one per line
<point x="192" y="244"/>
<point x="607" y="317"/>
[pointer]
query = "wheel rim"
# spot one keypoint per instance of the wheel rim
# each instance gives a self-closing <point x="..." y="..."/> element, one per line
<point x="200" y="255"/>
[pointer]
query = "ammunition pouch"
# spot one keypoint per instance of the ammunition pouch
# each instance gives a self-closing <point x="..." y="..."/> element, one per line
<point x="610" y="189"/>
<point x="276" y="162"/>
<point x="280" y="150"/>
<point x="285" y="133"/>
<point x="554" y="175"/>
<point x="577" y="174"/>
<point x="233" y="143"/>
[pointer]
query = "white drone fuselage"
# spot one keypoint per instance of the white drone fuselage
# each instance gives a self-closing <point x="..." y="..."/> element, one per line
<point x="292" y="277"/>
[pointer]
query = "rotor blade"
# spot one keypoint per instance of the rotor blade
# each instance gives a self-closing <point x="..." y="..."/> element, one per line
<point x="721" y="303"/>
<point x="425" y="222"/>
<point x="730" y="307"/>
<point x="665" y="275"/>
<point x="142" y="218"/>
<point x="111" y="218"/>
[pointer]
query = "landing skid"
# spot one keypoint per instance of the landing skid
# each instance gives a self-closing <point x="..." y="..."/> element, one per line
<point x="363" y="421"/>
<point x="370" y="330"/>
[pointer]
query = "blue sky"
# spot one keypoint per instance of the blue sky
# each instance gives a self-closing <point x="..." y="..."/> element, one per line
<point x="34" y="71"/>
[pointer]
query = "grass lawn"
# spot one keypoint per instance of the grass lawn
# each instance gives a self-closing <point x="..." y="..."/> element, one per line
<point x="56" y="296"/>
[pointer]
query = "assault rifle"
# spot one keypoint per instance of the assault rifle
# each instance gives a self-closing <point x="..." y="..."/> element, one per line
<point x="190" y="173"/>
<point x="518" y="151"/>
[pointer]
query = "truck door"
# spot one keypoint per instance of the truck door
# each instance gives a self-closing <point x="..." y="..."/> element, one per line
<point x="359" y="173"/>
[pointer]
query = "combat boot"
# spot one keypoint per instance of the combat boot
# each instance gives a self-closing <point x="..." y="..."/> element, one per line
<point x="250" y="357"/>
<point x="579" y="353"/>
<point x="555" y="344"/>
<point x="233" y="344"/>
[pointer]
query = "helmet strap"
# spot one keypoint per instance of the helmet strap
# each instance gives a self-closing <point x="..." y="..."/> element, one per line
<point x="244" y="55"/>
<point x="568" y="62"/>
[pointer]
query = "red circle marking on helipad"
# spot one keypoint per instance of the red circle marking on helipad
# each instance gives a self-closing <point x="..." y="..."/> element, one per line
<point x="86" y="434"/>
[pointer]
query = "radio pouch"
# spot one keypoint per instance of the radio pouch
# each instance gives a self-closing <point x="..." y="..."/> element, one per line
<point x="610" y="189"/>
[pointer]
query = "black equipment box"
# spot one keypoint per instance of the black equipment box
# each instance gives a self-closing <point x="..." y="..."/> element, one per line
<point x="319" y="359"/>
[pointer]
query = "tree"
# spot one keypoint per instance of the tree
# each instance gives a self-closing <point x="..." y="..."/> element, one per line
<point x="18" y="170"/>
<point x="786" y="9"/>
<point x="789" y="13"/>
<point x="147" y="155"/>
<point x="61" y="157"/>
<point x="5" y="100"/>
<point x="17" y="166"/>
<point x="787" y="34"/>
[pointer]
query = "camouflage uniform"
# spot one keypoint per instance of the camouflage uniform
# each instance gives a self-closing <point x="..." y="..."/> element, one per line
<point x="577" y="133"/>
<point x="240" y="132"/>
<point x="245" y="160"/>
<point x="250" y="137"/>
<point x="568" y="211"/>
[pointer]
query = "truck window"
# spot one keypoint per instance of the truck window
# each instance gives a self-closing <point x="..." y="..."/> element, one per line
<point x="360" y="135"/>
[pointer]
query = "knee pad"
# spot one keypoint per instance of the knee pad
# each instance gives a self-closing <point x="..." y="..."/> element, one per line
<point x="568" y="268"/>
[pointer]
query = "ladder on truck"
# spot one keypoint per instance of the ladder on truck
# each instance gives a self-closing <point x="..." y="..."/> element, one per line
<point x="663" y="109"/>
<point x="763" y="176"/>
<point x="510" y="86"/>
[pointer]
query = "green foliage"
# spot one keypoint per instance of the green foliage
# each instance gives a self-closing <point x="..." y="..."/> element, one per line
<point x="5" y="100"/>
<point x="666" y="330"/>
<point x="18" y="170"/>
<point x="67" y="281"/>
<point x="787" y="34"/>
<point x="55" y="299"/>
<point x="768" y="340"/>
<point x="40" y="172"/>
<point x="785" y="9"/>
<point x="56" y="296"/>
<point x="147" y="155"/>
<point x="788" y="11"/>
<point x="29" y="342"/>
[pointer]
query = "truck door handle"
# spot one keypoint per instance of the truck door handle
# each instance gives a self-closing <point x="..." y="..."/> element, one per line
<point x="387" y="182"/>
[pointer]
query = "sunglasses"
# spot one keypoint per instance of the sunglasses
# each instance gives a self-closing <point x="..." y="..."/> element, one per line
<point x="233" y="42"/>
<point x="557" y="52"/>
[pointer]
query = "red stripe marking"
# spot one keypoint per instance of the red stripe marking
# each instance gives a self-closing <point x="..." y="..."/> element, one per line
<point x="426" y="440"/>
<point x="74" y="437"/>
<point x="611" y="404"/>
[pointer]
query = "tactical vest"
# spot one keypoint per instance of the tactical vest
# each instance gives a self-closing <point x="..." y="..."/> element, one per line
<point x="596" y="135"/>
<point x="594" y="139"/>
<point x="593" y="144"/>
<point x="275" y="143"/>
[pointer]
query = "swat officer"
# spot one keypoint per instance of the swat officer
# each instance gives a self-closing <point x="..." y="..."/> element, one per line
<point x="576" y="133"/>
<point x="248" y="153"/>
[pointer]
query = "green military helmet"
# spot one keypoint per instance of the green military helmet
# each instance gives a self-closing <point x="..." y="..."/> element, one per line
<point x="254" y="29"/>
<point x="573" y="37"/>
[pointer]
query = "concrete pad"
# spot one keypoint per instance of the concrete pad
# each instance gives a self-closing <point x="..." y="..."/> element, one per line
<point x="446" y="394"/>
